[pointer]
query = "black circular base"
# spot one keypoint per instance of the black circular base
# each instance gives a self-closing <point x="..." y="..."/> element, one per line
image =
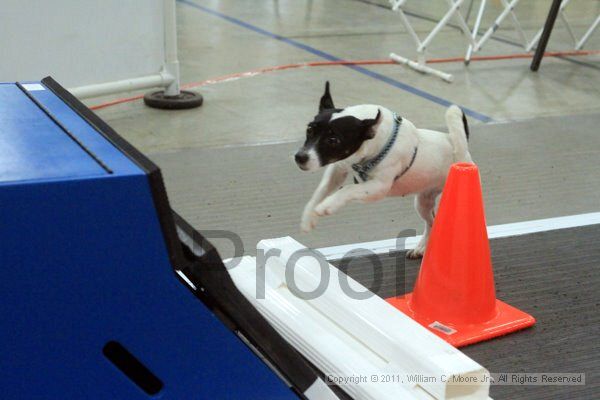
<point x="184" y="100"/>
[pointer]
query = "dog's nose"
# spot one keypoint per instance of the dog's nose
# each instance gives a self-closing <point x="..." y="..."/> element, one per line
<point x="301" y="157"/>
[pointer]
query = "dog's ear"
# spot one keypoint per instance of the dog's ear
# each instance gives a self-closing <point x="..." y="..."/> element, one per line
<point x="370" y="124"/>
<point x="326" y="100"/>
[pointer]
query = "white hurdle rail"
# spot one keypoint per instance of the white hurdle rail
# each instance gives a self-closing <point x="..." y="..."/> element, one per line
<point x="577" y="42"/>
<point x="587" y="35"/>
<point x="420" y="64"/>
<point x="346" y="336"/>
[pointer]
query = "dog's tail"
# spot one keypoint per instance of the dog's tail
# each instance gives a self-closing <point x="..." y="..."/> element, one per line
<point x="459" y="133"/>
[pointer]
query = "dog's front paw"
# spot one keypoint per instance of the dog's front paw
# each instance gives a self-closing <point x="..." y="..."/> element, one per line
<point x="309" y="221"/>
<point x="415" y="254"/>
<point x="418" y="251"/>
<point x="327" y="207"/>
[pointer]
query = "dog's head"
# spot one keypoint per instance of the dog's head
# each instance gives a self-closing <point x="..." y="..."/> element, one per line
<point x="334" y="134"/>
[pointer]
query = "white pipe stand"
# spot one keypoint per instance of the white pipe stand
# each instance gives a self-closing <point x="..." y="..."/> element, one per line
<point x="420" y="64"/>
<point x="167" y="77"/>
<point x="172" y="97"/>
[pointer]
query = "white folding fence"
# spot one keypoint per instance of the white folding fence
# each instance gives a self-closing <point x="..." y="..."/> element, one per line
<point x="473" y="41"/>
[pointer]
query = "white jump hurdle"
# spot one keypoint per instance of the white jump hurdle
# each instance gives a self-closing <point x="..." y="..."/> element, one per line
<point x="345" y="336"/>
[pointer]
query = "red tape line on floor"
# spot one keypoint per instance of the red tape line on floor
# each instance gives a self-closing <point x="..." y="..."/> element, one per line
<point x="265" y="70"/>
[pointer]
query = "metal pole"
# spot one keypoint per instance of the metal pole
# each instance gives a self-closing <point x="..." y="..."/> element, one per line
<point x="539" y="52"/>
<point x="172" y="97"/>
<point x="496" y="25"/>
<point x="454" y="6"/>
<point x="539" y="32"/>
<point x="171" y="61"/>
<point x="475" y="31"/>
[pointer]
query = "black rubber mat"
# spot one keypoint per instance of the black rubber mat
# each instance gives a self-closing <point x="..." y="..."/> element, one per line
<point x="552" y="275"/>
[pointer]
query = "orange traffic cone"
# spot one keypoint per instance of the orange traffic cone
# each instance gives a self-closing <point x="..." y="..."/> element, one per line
<point x="454" y="295"/>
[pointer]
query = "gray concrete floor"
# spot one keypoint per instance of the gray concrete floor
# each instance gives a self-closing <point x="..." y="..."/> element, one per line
<point x="217" y="38"/>
<point x="258" y="192"/>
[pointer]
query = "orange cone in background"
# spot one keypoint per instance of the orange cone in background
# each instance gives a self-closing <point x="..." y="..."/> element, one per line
<point x="454" y="295"/>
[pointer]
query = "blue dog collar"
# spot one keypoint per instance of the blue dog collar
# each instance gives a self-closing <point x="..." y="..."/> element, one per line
<point x="363" y="168"/>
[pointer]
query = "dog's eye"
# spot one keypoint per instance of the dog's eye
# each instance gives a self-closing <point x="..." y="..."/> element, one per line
<point x="310" y="131"/>
<point x="333" y="141"/>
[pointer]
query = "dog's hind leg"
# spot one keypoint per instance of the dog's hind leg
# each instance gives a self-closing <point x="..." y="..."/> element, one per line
<point x="425" y="206"/>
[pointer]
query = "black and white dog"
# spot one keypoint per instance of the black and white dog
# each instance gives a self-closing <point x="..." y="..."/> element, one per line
<point x="386" y="154"/>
